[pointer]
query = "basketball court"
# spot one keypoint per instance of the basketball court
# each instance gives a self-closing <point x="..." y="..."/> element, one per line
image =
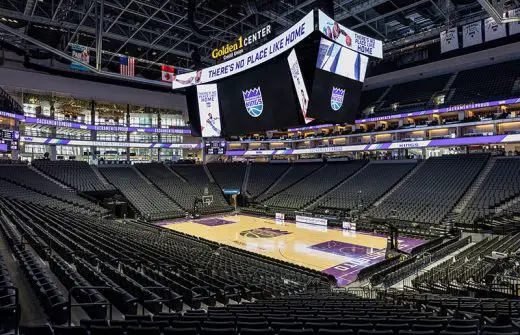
<point x="333" y="251"/>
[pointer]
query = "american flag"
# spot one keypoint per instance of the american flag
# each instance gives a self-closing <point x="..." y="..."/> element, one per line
<point x="127" y="66"/>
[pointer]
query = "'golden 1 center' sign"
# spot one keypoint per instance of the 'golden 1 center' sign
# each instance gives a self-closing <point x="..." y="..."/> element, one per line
<point x="231" y="50"/>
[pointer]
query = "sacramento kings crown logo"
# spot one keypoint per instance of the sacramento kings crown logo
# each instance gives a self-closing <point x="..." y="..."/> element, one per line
<point x="336" y="99"/>
<point x="253" y="101"/>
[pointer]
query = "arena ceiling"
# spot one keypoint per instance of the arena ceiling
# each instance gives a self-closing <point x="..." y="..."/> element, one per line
<point x="161" y="30"/>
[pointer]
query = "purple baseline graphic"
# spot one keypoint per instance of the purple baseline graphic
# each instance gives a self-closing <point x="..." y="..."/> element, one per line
<point x="213" y="222"/>
<point x="344" y="248"/>
<point x="264" y="232"/>
<point x="358" y="257"/>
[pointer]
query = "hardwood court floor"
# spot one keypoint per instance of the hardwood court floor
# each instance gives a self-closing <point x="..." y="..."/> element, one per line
<point x="339" y="253"/>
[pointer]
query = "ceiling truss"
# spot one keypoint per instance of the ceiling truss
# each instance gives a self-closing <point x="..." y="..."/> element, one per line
<point x="159" y="31"/>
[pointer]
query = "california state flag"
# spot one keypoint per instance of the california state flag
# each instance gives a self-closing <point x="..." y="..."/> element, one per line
<point x="167" y="73"/>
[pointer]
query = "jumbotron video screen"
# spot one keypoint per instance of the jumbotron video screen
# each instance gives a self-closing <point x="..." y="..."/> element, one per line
<point x="314" y="80"/>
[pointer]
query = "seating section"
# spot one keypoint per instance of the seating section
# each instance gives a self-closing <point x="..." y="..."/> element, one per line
<point x="9" y="305"/>
<point x="370" y="97"/>
<point x="151" y="203"/>
<point x="415" y="92"/>
<point x="298" y="172"/>
<point x="315" y="185"/>
<point x="149" y="263"/>
<point x="501" y="184"/>
<point x="183" y="191"/>
<point x="367" y="186"/>
<point x="70" y="278"/>
<point x="500" y="80"/>
<point x="49" y="295"/>
<point x="196" y="182"/>
<point x="228" y="175"/>
<point x="469" y="268"/>
<point x="434" y="189"/>
<point x="14" y="191"/>
<point x="76" y="174"/>
<point x="263" y="175"/>
<point x="318" y="313"/>
<point x="411" y="266"/>
<point x="8" y="104"/>
<point x="22" y="175"/>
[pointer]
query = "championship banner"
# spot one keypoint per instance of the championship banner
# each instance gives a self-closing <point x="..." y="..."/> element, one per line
<point x="299" y="85"/>
<point x="472" y="34"/>
<point x="493" y="30"/>
<point x="80" y="53"/>
<point x="349" y="38"/>
<point x="209" y="110"/>
<point x="449" y="40"/>
<point x="514" y="27"/>
<point x="260" y="55"/>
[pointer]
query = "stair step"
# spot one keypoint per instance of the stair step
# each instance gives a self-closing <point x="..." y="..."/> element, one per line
<point x="245" y="181"/>
<point x="99" y="175"/>
<point x="341" y="183"/>
<point x="470" y="193"/>
<point x="208" y="173"/>
<point x="57" y="182"/>
<point x="142" y="176"/>
<point x="277" y="181"/>
<point x="396" y="186"/>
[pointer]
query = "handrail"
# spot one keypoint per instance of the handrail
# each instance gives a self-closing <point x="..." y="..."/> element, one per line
<point x="74" y="288"/>
<point x="162" y="288"/>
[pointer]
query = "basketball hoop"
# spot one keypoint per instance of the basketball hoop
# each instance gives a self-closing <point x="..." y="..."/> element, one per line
<point x="207" y="200"/>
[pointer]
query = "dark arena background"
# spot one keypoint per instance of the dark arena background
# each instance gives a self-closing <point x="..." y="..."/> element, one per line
<point x="259" y="167"/>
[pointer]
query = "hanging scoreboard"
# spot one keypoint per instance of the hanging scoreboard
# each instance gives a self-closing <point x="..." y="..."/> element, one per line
<point x="215" y="147"/>
<point x="9" y="140"/>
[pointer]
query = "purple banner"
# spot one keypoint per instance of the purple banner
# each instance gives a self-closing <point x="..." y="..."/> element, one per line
<point x="442" y="110"/>
<point x="468" y="140"/>
<point x="75" y="125"/>
<point x="11" y="115"/>
<point x="311" y="127"/>
<point x="3" y="147"/>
